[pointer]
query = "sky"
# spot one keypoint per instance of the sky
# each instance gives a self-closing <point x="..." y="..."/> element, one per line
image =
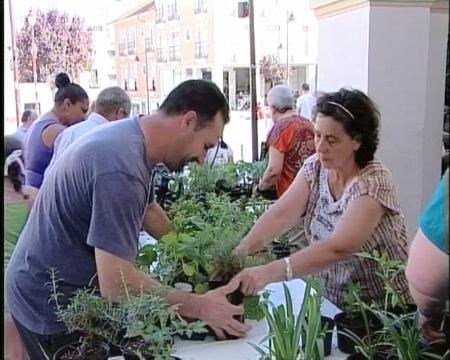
<point x="94" y="11"/>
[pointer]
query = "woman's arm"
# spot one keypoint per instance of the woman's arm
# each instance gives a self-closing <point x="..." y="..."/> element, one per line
<point x="279" y="218"/>
<point x="273" y="170"/>
<point x="353" y="229"/>
<point x="427" y="274"/>
<point x="50" y="134"/>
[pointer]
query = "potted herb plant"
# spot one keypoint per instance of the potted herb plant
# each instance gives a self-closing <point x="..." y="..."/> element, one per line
<point x="90" y="315"/>
<point x="354" y="320"/>
<point x="150" y="326"/>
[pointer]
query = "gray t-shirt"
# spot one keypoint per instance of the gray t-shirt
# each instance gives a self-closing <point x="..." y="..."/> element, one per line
<point x="94" y="197"/>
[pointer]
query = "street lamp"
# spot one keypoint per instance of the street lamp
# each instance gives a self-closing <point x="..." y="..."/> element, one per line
<point x="146" y="71"/>
<point x="14" y="59"/>
<point x="290" y="17"/>
<point x="32" y="21"/>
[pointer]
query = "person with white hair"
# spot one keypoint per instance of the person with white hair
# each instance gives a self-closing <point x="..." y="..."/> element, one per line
<point x="289" y="142"/>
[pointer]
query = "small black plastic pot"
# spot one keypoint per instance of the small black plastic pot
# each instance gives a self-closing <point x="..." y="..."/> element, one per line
<point x="377" y="356"/>
<point x="129" y="354"/>
<point x="195" y="336"/>
<point x="98" y="350"/>
<point x="355" y="323"/>
<point x="328" y="335"/>
<point x="281" y="250"/>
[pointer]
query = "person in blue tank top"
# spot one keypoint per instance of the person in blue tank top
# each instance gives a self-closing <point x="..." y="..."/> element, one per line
<point x="71" y="106"/>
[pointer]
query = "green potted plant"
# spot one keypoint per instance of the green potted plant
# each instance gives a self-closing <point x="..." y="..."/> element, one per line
<point x="317" y="329"/>
<point x="90" y="315"/>
<point x="354" y="320"/>
<point x="150" y="325"/>
<point x="401" y="334"/>
<point x="286" y="329"/>
<point x="388" y="270"/>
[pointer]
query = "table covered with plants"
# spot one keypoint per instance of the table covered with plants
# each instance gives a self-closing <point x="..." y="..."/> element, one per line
<point x="212" y="209"/>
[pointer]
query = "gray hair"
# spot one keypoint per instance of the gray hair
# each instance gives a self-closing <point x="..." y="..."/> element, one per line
<point x="111" y="99"/>
<point x="280" y="98"/>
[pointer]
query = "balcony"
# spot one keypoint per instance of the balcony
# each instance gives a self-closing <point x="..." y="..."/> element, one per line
<point x="131" y="85"/>
<point x="201" y="50"/>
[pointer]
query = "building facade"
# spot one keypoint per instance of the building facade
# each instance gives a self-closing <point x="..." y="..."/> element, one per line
<point x="206" y="39"/>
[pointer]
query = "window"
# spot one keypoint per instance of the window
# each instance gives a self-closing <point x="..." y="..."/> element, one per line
<point x="93" y="79"/>
<point x="189" y="73"/>
<point x="199" y="6"/>
<point x="122" y="42"/>
<point x="174" y="47"/>
<point x="172" y="10"/>
<point x="32" y="106"/>
<point x="201" y="45"/>
<point x="148" y="37"/>
<point x="160" y="54"/>
<point x="160" y="13"/>
<point x="159" y="47"/>
<point x="131" y="43"/>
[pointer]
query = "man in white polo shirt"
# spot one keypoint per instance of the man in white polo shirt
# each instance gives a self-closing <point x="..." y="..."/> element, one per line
<point x="306" y="103"/>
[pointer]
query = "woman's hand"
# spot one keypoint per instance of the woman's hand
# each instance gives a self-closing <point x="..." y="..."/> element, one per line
<point x="253" y="279"/>
<point x="241" y="251"/>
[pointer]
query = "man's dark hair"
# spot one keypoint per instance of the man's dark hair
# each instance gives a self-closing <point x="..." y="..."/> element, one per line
<point x="305" y="87"/>
<point x="25" y="115"/>
<point x="68" y="90"/>
<point x="201" y="96"/>
<point x="363" y="126"/>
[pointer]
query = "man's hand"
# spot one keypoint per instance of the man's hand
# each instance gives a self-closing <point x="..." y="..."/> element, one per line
<point x="253" y="279"/>
<point x="218" y="313"/>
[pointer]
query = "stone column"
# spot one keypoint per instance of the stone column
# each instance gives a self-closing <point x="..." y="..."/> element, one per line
<point x="395" y="51"/>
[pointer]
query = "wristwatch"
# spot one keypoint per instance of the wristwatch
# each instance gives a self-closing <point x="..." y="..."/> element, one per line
<point x="288" y="269"/>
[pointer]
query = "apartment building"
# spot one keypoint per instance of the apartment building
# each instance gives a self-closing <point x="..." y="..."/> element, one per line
<point x="136" y="55"/>
<point x="206" y="39"/>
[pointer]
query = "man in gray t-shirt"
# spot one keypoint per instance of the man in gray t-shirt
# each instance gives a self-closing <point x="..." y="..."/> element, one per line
<point x="89" y="211"/>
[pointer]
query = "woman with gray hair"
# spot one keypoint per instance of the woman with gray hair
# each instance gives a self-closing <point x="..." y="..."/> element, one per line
<point x="290" y="141"/>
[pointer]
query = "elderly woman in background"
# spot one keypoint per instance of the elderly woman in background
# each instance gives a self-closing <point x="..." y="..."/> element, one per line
<point x="290" y="141"/>
<point x="349" y="202"/>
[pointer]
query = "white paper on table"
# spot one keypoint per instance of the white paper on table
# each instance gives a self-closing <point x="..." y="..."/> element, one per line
<point x="240" y="349"/>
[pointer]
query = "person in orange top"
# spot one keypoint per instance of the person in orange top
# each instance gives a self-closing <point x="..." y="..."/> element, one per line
<point x="290" y="141"/>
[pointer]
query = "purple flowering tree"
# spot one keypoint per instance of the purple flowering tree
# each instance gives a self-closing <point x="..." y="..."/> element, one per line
<point x="271" y="69"/>
<point x="63" y="43"/>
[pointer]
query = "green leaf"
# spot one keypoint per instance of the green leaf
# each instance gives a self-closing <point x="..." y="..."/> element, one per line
<point x="201" y="288"/>
<point x="189" y="270"/>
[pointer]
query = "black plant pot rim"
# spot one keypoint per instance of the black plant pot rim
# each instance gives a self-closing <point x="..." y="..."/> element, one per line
<point x="96" y="344"/>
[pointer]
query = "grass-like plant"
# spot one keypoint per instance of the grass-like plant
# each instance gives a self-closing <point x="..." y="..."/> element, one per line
<point x="388" y="270"/>
<point x="402" y="335"/>
<point x="287" y="328"/>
